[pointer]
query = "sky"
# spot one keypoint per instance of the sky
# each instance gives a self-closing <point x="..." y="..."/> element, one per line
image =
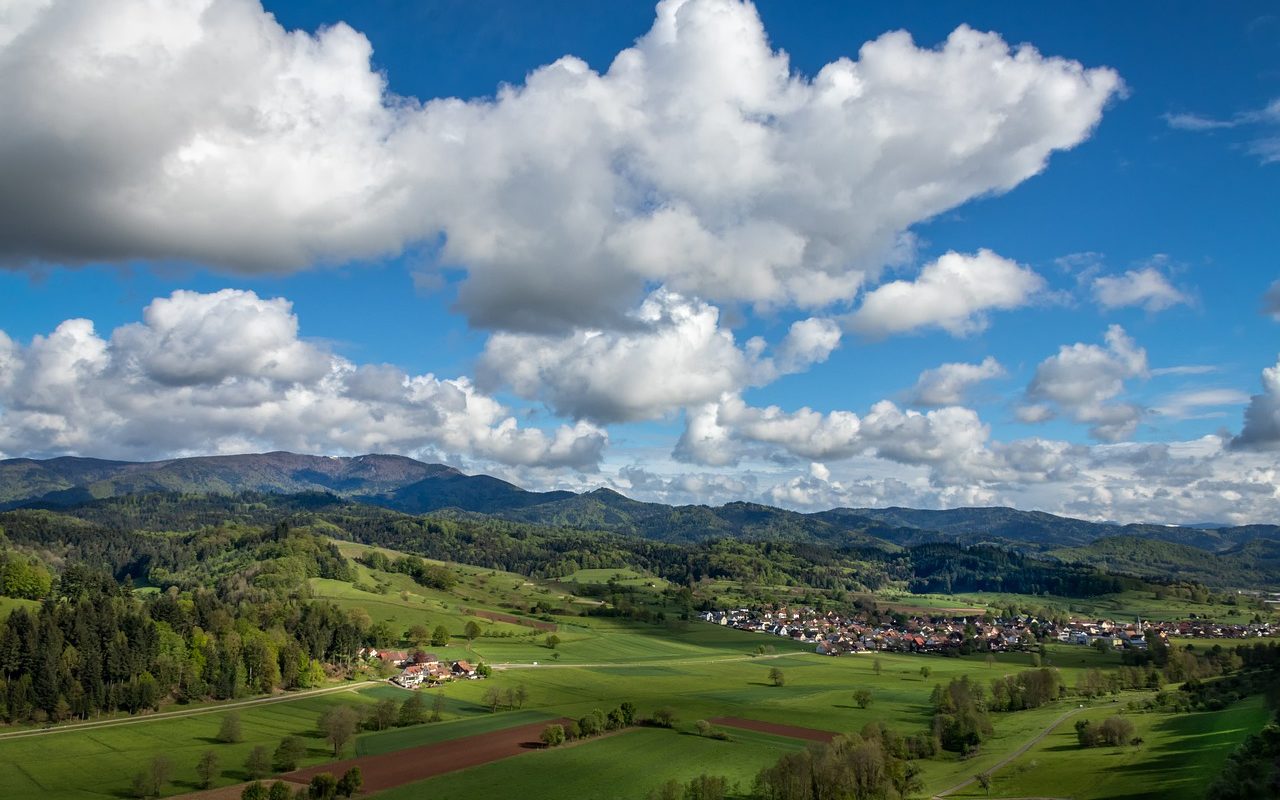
<point x="812" y="255"/>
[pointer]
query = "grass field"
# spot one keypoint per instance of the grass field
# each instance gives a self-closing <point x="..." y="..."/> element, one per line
<point x="99" y="762"/>
<point x="1123" y="606"/>
<point x="625" y="766"/>
<point x="1180" y="752"/>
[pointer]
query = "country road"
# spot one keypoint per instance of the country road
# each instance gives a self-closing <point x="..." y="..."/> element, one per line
<point x="1013" y="756"/>
<point x="110" y="723"/>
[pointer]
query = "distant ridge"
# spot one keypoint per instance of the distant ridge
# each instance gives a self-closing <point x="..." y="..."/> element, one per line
<point x="414" y="487"/>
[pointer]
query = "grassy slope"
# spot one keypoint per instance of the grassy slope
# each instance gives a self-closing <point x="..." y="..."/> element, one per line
<point x="1179" y="754"/>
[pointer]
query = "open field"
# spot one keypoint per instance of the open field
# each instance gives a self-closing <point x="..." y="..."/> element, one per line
<point x="99" y="762"/>
<point x="1179" y="753"/>
<point x="394" y="769"/>
<point x="1123" y="606"/>
<point x="626" y="767"/>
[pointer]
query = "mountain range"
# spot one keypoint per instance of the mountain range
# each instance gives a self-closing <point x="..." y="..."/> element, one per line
<point x="414" y="487"/>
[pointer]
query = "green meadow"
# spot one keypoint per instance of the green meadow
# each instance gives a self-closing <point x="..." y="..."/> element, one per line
<point x="1178" y="755"/>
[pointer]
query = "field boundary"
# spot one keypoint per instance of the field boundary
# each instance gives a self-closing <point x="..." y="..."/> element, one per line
<point x="412" y="764"/>
<point x="776" y="729"/>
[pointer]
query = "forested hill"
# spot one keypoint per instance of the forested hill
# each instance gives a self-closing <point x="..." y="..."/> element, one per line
<point x="413" y="487"/>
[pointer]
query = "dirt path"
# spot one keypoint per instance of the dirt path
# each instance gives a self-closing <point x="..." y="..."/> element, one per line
<point x="1032" y="742"/>
<point x="163" y="715"/>
<point x="389" y="770"/>
<point x="790" y="731"/>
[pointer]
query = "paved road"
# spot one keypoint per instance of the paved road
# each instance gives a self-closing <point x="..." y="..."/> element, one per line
<point x="214" y="709"/>
<point x="1014" y="755"/>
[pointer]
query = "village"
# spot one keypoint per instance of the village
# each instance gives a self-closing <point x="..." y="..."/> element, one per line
<point x="833" y="633"/>
<point x="418" y="668"/>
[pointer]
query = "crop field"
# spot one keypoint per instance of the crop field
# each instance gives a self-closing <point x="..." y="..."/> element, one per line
<point x="1178" y="753"/>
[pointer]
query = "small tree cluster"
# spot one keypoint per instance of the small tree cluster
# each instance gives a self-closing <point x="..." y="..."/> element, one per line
<point x="1112" y="732"/>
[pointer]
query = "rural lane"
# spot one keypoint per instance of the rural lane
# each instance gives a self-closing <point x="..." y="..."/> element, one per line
<point x="163" y="715"/>
<point x="1032" y="742"/>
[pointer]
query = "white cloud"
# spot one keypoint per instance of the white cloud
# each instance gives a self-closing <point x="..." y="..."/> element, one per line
<point x="203" y="131"/>
<point x="226" y="372"/>
<point x="1146" y="288"/>
<point x="952" y="293"/>
<point x="1190" y="404"/>
<point x="1083" y="382"/>
<point x="946" y="385"/>
<point x="673" y="354"/>
<point x="1266" y="145"/>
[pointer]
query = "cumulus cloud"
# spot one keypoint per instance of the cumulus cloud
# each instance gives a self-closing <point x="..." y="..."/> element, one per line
<point x="947" y="385"/>
<point x="1083" y="381"/>
<point x="227" y="372"/>
<point x="947" y="440"/>
<point x="204" y="131"/>
<point x="675" y="354"/>
<point x="952" y="293"/>
<point x="1146" y="288"/>
<point x="1262" y="417"/>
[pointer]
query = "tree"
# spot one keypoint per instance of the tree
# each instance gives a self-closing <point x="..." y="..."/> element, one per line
<point x="279" y="791"/>
<point x="553" y="641"/>
<point x="776" y="677"/>
<point x="384" y="714"/>
<point x="664" y="717"/>
<point x="229" y="732"/>
<point x="255" y="791"/>
<point x="876" y="666"/>
<point x="862" y="697"/>
<point x="553" y="735"/>
<point x="207" y="768"/>
<point x="437" y="707"/>
<point x="520" y="696"/>
<point x="151" y="781"/>
<point x="322" y="787"/>
<point x="338" y="726"/>
<point x="440" y="637"/>
<point x="471" y="631"/>
<point x="991" y="661"/>
<point x="418" y="635"/>
<point x="984" y="780"/>
<point x="493" y="698"/>
<point x="707" y="787"/>
<point x="412" y="710"/>
<point x="925" y="672"/>
<point x="258" y="764"/>
<point x="350" y="782"/>
<point x="289" y="753"/>
<point x="704" y="727"/>
<point x="670" y="790"/>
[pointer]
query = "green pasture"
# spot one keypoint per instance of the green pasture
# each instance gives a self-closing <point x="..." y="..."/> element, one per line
<point x="1121" y="606"/>
<point x="623" y="577"/>
<point x="1180" y="753"/>
<point x="99" y="762"/>
<point x="625" y="766"/>
<point x="8" y="604"/>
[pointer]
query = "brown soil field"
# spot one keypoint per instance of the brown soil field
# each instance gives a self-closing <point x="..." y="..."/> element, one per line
<point x="539" y="625"/>
<point x="389" y="770"/>
<point x="790" y="731"/>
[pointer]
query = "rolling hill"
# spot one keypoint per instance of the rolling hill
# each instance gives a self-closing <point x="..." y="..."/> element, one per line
<point x="414" y="487"/>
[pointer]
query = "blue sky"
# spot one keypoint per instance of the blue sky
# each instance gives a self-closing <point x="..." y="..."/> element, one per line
<point x="313" y="175"/>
